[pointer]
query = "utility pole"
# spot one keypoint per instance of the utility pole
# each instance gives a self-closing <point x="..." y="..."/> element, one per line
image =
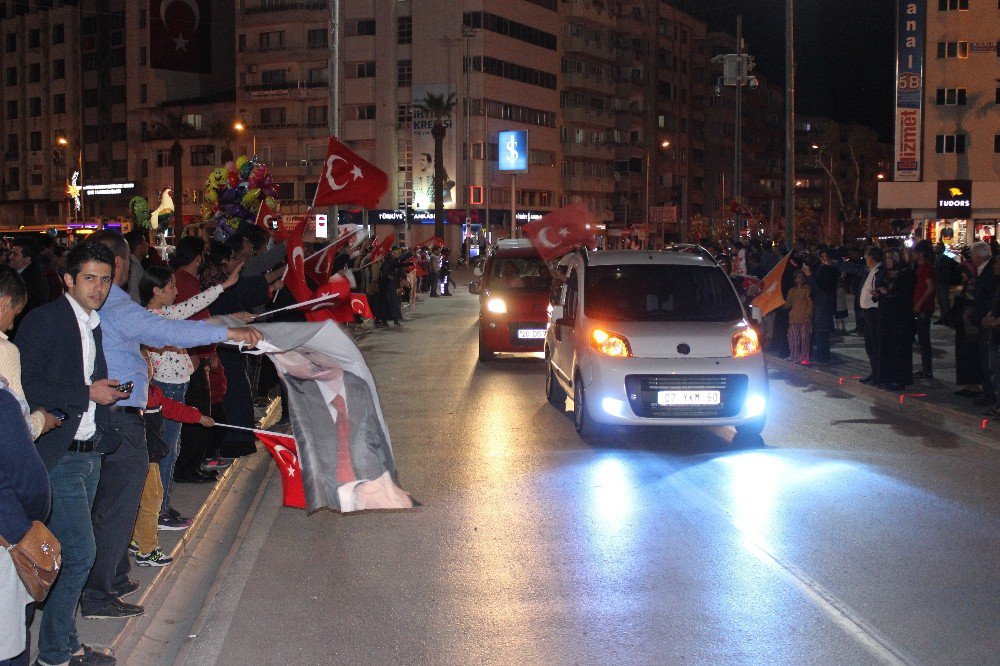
<point x="789" y="124"/>
<point x="468" y="33"/>
<point x="738" y="131"/>
<point x="333" y="115"/>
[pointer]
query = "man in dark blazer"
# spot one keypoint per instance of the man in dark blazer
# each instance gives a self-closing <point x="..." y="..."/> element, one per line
<point x="63" y="368"/>
<point x="24" y="260"/>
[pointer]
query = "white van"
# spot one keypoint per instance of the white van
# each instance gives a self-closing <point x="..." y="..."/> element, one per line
<point x="654" y="338"/>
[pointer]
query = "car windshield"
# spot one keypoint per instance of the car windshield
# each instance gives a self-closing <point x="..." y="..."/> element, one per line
<point x="520" y="273"/>
<point x="660" y="292"/>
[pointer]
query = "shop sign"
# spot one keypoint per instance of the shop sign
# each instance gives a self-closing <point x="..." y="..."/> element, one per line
<point x="106" y="189"/>
<point x="911" y="20"/>
<point x="954" y="199"/>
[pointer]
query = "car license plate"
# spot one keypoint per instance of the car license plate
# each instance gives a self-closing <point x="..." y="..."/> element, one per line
<point x="530" y="333"/>
<point x="670" y="398"/>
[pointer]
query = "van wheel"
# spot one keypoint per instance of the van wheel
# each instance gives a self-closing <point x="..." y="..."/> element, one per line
<point x="751" y="428"/>
<point x="554" y="393"/>
<point x="485" y="353"/>
<point x="586" y="427"/>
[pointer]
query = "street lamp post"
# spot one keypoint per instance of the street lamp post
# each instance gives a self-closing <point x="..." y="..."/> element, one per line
<point x="790" y="124"/>
<point x="879" y="178"/>
<point x="240" y="127"/>
<point x="649" y="159"/>
<point x="64" y="142"/>
<point x="829" y="189"/>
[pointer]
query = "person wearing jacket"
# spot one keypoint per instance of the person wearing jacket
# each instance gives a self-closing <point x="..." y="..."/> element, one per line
<point x="799" y="304"/>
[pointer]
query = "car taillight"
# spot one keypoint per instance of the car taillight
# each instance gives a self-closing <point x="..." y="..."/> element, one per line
<point x="745" y="343"/>
<point x="610" y="344"/>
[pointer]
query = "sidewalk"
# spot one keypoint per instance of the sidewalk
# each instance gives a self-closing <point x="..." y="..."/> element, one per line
<point x="933" y="399"/>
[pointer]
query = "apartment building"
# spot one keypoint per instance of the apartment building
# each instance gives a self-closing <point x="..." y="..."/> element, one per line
<point x="946" y="170"/>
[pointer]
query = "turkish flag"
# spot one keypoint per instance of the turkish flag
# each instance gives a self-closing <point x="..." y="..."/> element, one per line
<point x="295" y="278"/>
<point x="180" y="35"/>
<point x="383" y="247"/>
<point x="770" y="297"/>
<point x="284" y="451"/>
<point x="561" y="230"/>
<point x="359" y="304"/>
<point x="348" y="179"/>
<point x="266" y="215"/>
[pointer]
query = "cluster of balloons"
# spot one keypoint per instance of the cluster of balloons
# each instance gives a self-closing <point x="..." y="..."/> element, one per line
<point x="234" y="192"/>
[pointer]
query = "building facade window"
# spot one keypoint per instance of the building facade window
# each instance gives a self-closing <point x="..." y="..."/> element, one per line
<point x="35" y="141"/>
<point x="316" y="39"/>
<point x="952" y="5"/>
<point x="949" y="143"/>
<point x="316" y="115"/>
<point x="273" y="77"/>
<point x="58" y="33"/>
<point x="362" y="27"/>
<point x="34" y="38"/>
<point x="272" y="116"/>
<point x="13" y="179"/>
<point x="59" y="103"/>
<point x="59" y="69"/>
<point x="996" y="143"/>
<point x="361" y="70"/>
<point x="318" y="76"/>
<point x="10" y="76"/>
<point x="951" y="97"/>
<point x="35" y="107"/>
<point x="512" y="29"/>
<point x="404" y="73"/>
<point x="364" y="112"/>
<point x="270" y="41"/>
<point x="10" y="44"/>
<point x="404" y="29"/>
<point x="203" y="155"/>
<point x="953" y="49"/>
<point x="514" y="72"/>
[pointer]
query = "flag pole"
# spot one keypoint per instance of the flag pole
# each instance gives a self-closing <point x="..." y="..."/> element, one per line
<point x="325" y="297"/>
<point x="266" y="432"/>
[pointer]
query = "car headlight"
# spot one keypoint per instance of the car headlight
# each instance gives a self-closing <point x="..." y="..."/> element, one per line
<point x="610" y="344"/>
<point x="746" y="343"/>
<point x="496" y="305"/>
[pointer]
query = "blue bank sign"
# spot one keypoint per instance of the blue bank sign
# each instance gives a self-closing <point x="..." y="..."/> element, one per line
<point x="513" y="149"/>
<point x="910" y="26"/>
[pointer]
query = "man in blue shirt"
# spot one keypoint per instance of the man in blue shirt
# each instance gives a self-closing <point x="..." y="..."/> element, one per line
<point x="127" y="325"/>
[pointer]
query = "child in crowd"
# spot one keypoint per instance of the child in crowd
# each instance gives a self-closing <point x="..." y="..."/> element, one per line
<point x="800" y="305"/>
<point x="145" y="541"/>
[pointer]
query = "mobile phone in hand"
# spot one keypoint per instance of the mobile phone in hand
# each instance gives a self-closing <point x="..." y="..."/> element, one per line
<point x="126" y="387"/>
<point x="58" y="413"/>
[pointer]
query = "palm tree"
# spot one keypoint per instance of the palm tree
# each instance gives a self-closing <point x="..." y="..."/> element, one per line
<point x="438" y="107"/>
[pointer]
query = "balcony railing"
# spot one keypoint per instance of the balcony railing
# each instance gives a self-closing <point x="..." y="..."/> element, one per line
<point x="285" y="85"/>
<point x="251" y="7"/>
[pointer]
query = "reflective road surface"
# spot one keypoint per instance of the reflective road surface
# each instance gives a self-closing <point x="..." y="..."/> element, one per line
<point x="848" y="535"/>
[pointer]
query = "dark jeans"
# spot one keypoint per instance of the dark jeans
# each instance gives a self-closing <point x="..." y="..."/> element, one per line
<point x="989" y="390"/>
<point x="923" y="323"/>
<point x="870" y="319"/>
<point x="821" y="344"/>
<point x="74" y="483"/>
<point x="171" y="437"/>
<point x="123" y="474"/>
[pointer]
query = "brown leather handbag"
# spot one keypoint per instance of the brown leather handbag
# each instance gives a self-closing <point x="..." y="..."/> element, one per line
<point x="37" y="558"/>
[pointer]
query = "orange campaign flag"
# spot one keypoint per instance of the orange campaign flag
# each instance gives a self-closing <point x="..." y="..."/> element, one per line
<point x="770" y="297"/>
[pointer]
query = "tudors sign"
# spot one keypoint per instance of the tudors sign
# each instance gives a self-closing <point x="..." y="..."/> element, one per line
<point x="954" y="199"/>
<point x="911" y="19"/>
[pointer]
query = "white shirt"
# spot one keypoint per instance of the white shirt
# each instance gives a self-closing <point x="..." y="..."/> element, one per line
<point x="87" y="324"/>
<point x="866" y="290"/>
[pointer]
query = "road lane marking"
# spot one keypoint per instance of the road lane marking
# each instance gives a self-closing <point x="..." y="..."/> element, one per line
<point x="845" y="617"/>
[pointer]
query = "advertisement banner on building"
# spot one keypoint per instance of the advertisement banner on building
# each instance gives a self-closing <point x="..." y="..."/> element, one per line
<point x="180" y="35"/>
<point x="513" y="151"/>
<point x="911" y="21"/>
<point x="954" y="199"/>
<point x="423" y="151"/>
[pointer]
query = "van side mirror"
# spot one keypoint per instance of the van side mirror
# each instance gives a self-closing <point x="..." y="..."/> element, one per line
<point x="756" y="313"/>
<point x="565" y="321"/>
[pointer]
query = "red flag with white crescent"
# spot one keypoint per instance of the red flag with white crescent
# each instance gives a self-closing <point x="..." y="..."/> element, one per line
<point x="359" y="304"/>
<point x="282" y="448"/>
<point x="561" y="230"/>
<point x="180" y="35"/>
<point x="295" y="279"/>
<point x="266" y="215"/>
<point x="349" y="179"/>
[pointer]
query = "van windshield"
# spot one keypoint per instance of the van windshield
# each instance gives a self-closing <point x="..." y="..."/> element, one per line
<point x="520" y="273"/>
<point x="660" y="292"/>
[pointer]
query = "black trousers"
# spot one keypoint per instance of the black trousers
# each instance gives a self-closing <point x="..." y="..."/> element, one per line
<point x="923" y="323"/>
<point x="870" y="319"/>
<point x="123" y="474"/>
<point x="238" y="403"/>
<point x="195" y="439"/>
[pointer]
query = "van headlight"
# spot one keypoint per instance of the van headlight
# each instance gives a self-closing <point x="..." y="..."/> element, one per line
<point x="610" y="344"/>
<point x="746" y="343"/>
<point x="496" y="305"/>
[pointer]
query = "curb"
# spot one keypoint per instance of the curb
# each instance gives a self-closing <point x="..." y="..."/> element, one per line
<point x="179" y="593"/>
<point x="915" y="407"/>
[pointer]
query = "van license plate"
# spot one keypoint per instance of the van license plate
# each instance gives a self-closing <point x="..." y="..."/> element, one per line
<point x="670" y="398"/>
<point x="530" y="333"/>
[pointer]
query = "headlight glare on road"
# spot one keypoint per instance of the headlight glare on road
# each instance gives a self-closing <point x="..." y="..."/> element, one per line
<point x="610" y="344"/>
<point x="496" y="306"/>
<point x="754" y="405"/>
<point x="614" y="407"/>
<point x="746" y="343"/>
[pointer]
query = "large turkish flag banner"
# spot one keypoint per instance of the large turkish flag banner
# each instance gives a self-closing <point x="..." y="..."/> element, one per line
<point x="560" y="231"/>
<point x="180" y="35"/>
<point x="349" y="179"/>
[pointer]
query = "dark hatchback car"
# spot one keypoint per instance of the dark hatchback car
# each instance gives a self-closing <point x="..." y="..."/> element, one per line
<point x="513" y="300"/>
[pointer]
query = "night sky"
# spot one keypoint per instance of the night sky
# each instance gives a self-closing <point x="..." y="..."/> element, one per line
<point x="845" y="52"/>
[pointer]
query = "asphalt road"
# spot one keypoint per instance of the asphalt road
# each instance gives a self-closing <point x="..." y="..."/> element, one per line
<point x="848" y="535"/>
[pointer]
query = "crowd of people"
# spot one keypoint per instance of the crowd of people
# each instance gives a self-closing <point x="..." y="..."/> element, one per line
<point x="112" y="382"/>
<point x="895" y="291"/>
